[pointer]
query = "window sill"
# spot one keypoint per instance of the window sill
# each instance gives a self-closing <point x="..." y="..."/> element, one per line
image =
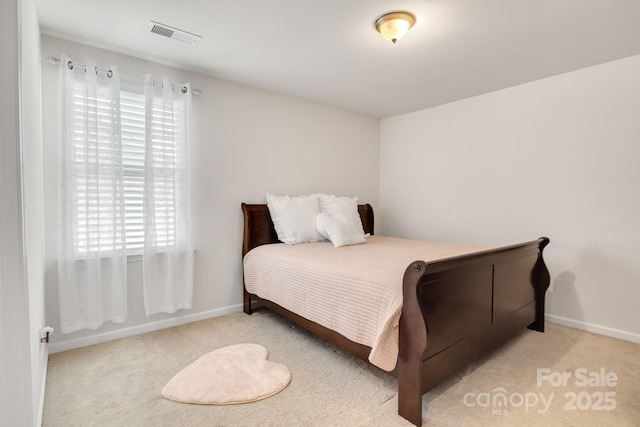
<point x="138" y="257"/>
<point x="134" y="258"/>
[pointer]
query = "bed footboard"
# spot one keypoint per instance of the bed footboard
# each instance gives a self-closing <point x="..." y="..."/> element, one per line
<point x="466" y="306"/>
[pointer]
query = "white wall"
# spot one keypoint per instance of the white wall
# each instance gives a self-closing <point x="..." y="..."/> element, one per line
<point x="556" y="157"/>
<point x="245" y="142"/>
<point x="23" y="358"/>
<point x="32" y="190"/>
<point x="15" y="372"/>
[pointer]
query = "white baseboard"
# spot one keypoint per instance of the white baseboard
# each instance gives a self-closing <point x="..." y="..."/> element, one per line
<point x="596" y="329"/>
<point x="168" y="323"/>
<point x="141" y="329"/>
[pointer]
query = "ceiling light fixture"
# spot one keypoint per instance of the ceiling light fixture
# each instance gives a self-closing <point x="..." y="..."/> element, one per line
<point x="394" y="25"/>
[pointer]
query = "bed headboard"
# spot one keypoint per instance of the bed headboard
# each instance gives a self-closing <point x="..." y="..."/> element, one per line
<point x="258" y="226"/>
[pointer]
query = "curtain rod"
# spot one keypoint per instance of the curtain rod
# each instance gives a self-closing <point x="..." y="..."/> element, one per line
<point x="54" y="60"/>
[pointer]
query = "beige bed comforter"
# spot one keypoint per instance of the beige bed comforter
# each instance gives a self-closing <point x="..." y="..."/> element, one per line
<point x="353" y="290"/>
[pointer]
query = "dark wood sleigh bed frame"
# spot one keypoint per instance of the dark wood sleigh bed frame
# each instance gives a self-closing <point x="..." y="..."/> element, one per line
<point x="466" y="306"/>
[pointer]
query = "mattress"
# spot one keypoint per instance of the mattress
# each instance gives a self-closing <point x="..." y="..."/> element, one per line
<point x="353" y="290"/>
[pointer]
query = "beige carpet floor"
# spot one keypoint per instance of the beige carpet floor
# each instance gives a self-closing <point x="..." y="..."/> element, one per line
<point x="119" y="383"/>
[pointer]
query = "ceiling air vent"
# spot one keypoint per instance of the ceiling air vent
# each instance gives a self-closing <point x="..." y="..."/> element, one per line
<point x="173" y="33"/>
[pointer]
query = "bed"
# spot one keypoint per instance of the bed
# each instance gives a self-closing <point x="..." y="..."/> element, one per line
<point x="453" y="310"/>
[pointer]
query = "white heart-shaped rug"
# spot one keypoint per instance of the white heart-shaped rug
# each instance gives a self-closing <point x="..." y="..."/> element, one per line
<point x="235" y="374"/>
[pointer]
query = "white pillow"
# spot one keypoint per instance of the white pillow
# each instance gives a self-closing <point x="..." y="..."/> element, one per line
<point x="342" y="208"/>
<point x="294" y="218"/>
<point x="340" y="232"/>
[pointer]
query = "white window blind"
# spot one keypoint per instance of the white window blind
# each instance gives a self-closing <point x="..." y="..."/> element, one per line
<point x="132" y="124"/>
<point x="94" y="171"/>
<point x="133" y="139"/>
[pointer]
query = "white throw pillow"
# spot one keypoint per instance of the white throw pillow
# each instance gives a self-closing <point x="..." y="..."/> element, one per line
<point x="339" y="231"/>
<point x="294" y="218"/>
<point x="342" y="208"/>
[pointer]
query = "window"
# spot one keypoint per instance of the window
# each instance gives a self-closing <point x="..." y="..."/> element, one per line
<point x="93" y="168"/>
<point x="132" y="128"/>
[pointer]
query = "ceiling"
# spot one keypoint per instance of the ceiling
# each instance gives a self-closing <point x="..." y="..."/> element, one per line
<point x="328" y="50"/>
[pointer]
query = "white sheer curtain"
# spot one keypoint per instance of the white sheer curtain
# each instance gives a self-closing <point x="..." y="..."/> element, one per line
<point x="92" y="264"/>
<point x="168" y="254"/>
